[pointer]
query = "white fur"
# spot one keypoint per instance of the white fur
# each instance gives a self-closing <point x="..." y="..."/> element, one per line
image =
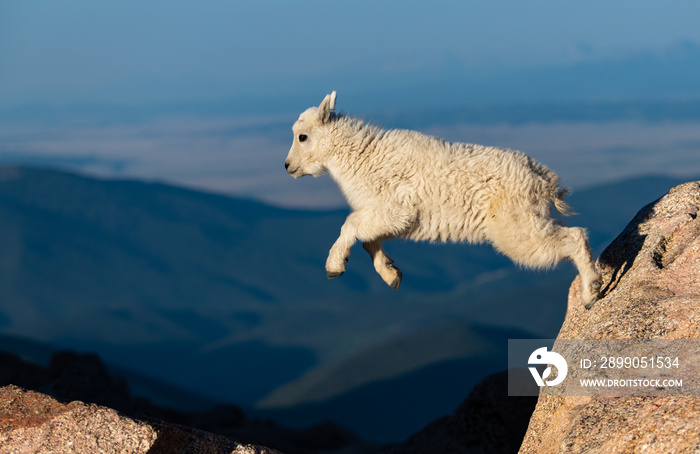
<point x="402" y="183"/>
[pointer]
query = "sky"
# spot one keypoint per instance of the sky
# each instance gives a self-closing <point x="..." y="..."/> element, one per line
<point x="138" y="51"/>
<point x="168" y="90"/>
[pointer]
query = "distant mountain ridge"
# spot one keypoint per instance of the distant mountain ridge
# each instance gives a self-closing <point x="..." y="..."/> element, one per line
<point x="185" y="286"/>
<point x="392" y="359"/>
<point x="402" y="381"/>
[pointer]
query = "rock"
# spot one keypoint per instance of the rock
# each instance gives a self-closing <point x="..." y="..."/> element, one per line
<point x="488" y="421"/>
<point x="32" y="422"/>
<point x="651" y="289"/>
<point x="84" y="377"/>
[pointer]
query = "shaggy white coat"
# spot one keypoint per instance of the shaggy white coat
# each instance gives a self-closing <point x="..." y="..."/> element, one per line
<point x="403" y="183"/>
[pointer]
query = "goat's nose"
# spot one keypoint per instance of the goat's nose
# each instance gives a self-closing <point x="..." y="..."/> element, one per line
<point x="286" y="164"/>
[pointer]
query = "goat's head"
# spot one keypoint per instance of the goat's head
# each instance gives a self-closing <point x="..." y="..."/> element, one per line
<point x="311" y="145"/>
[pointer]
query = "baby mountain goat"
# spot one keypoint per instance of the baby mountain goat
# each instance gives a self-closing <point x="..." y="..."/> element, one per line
<point x="405" y="184"/>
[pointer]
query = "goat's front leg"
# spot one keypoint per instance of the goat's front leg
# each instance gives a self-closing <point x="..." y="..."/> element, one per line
<point x="384" y="264"/>
<point x="370" y="227"/>
<point x="340" y="251"/>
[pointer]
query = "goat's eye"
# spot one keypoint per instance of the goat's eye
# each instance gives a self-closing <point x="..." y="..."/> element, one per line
<point x="303" y="137"/>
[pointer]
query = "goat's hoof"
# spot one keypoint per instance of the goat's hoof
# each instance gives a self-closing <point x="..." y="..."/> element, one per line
<point x="596" y="285"/>
<point x="334" y="274"/>
<point x="590" y="304"/>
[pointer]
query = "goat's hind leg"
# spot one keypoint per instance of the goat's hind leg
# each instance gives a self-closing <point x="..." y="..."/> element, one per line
<point x="572" y="243"/>
<point x="384" y="265"/>
<point x="580" y="254"/>
<point x="540" y="242"/>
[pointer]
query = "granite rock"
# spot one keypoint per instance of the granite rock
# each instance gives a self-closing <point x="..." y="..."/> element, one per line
<point x="32" y="422"/>
<point x="651" y="290"/>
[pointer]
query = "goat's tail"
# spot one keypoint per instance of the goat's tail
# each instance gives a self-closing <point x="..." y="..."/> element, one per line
<point x="557" y="194"/>
<point x="559" y="204"/>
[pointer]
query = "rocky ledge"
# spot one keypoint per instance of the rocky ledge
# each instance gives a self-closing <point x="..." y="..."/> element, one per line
<point x="32" y="422"/>
<point x="651" y="289"/>
<point x="77" y="406"/>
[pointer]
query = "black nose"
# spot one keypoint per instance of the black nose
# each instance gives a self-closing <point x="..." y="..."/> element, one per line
<point x="286" y="165"/>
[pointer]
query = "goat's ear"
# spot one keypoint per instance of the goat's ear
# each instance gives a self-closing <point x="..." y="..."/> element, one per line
<point x="327" y="107"/>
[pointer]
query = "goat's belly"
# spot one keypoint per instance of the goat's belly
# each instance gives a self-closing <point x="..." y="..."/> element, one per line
<point x="449" y="224"/>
